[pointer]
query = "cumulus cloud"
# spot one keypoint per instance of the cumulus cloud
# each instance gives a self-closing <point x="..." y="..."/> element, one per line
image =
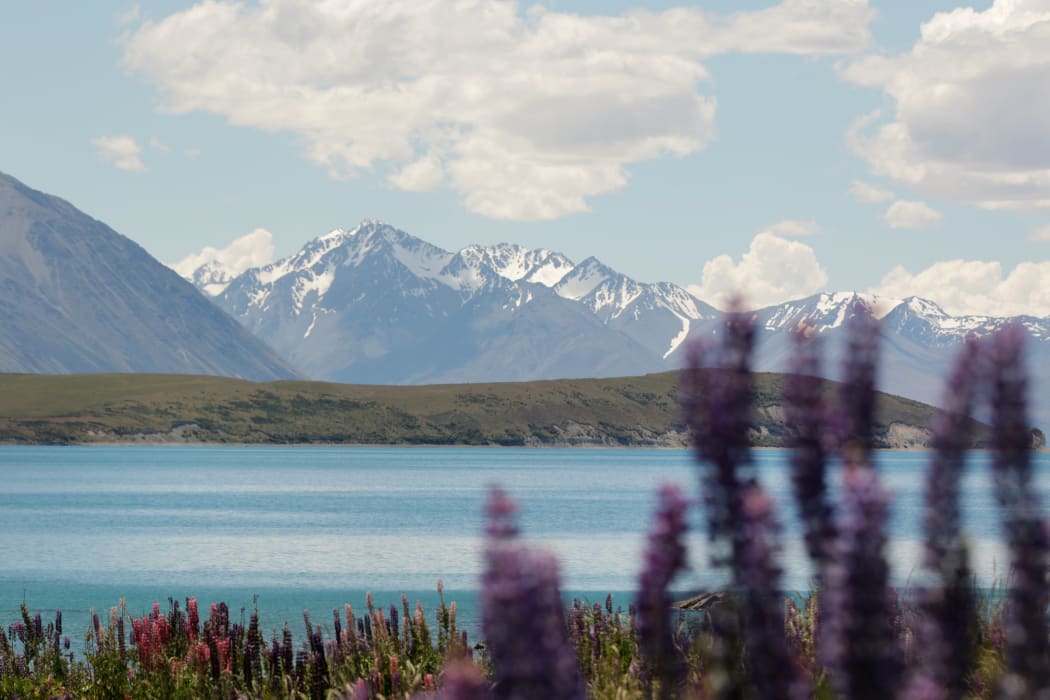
<point x="970" y="103"/>
<point x="423" y="175"/>
<point x="254" y="249"/>
<point x="1040" y="233"/>
<point x="792" y="228"/>
<point x="911" y="215"/>
<point x="526" y="113"/>
<point x="965" y="287"/>
<point x="158" y="145"/>
<point x="122" y="151"/>
<point x="869" y="194"/>
<point x="773" y="270"/>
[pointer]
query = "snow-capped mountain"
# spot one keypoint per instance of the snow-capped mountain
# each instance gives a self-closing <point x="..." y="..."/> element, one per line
<point x="375" y="304"/>
<point x="919" y="343"/>
<point x="212" y="277"/>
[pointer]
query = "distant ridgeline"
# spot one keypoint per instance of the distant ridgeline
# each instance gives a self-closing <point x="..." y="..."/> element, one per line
<point x="627" y="411"/>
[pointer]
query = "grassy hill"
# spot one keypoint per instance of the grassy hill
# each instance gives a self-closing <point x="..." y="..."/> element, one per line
<point x="639" y="411"/>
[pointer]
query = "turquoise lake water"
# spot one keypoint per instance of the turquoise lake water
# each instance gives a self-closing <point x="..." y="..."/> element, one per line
<point x="316" y="527"/>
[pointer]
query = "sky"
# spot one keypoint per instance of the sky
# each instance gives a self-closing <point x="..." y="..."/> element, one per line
<point x="776" y="149"/>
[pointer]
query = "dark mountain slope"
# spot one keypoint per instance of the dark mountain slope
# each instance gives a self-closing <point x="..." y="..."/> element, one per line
<point x="76" y="296"/>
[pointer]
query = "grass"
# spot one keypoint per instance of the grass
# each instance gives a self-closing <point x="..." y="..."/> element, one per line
<point x="636" y="411"/>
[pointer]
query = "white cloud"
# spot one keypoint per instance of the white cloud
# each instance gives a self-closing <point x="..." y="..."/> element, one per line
<point x="911" y="215"/>
<point x="122" y="151"/>
<point x="1040" y="233"/>
<point x="773" y="270"/>
<point x="254" y="249"/>
<point x="158" y="145"/>
<point x="192" y="153"/>
<point x="869" y="194"/>
<point x="970" y="103"/>
<point x="964" y="287"/>
<point x="793" y="228"/>
<point x="526" y="113"/>
<point x="424" y="175"/>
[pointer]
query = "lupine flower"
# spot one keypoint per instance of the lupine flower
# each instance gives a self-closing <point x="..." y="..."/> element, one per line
<point x="522" y="615"/>
<point x="770" y="666"/>
<point x="856" y="405"/>
<point x="665" y="557"/>
<point x="1027" y="645"/>
<point x="462" y="680"/>
<point x="193" y="622"/>
<point x="947" y="629"/>
<point x="804" y="414"/>
<point x="500" y="510"/>
<point x="717" y="404"/>
<point x="857" y="643"/>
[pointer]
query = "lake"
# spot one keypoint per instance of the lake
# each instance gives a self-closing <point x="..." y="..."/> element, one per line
<point x="315" y="527"/>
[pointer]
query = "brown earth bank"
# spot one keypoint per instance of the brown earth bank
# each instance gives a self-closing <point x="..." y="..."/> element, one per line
<point x="641" y="411"/>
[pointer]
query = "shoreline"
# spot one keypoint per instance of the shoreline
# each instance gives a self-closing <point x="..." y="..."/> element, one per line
<point x="428" y="446"/>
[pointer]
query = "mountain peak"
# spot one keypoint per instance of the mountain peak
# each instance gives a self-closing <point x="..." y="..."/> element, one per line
<point x="584" y="278"/>
<point x="924" y="307"/>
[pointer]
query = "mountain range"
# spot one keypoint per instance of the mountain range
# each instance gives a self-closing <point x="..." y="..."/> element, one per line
<point x="374" y="304"/>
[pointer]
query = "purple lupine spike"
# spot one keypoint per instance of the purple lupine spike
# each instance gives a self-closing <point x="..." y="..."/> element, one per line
<point x="394" y="621"/>
<point x="856" y="405"/>
<point x="947" y="627"/>
<point x="739" y="514"/>
<point x="858" y="643"/>
<point x="665" y="557"/>
<point x="500" y="513"/>
<point x="718" y="413"/>
<point x="462" y="680"/>
<point x="1011" y="435"/>
<point x="770" y="666"/>
<point x="950" y="439"/>
<point x="1027" y="644"/>
<point x="804" y="413"/>
<point x="522" y="615"/>
<point x="924" y="688"/>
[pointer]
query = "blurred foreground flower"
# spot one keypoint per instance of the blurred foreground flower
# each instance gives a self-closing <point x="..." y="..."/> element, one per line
<point x="523" y="617"/>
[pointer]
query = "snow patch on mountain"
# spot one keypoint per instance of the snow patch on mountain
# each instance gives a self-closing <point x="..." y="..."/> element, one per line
<point x="823" y="312"/>
<point x="582" y="279"/>
<point x="677" y="341"/>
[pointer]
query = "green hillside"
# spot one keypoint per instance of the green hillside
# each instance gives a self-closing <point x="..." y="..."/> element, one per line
<point x="176" y="408"/>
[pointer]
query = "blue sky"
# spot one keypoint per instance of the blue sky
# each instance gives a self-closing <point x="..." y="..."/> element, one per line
<point x="779" y="148"/>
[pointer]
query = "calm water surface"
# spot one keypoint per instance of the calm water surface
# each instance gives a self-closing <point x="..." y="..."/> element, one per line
<point x="316" y="527"/>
